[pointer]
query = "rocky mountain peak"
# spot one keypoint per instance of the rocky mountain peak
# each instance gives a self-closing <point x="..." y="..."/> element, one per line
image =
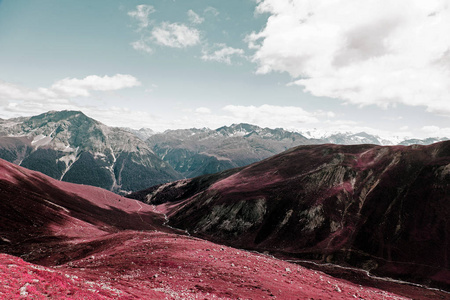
<point x="60" y="116"/>
<point x="143" y="133"/>
<point x="70" y="146"/>
<point x="241" y="129"/>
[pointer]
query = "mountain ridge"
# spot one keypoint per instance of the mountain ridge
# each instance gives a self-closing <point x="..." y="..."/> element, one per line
<point x="379" y="208"/>
<point x="195" y="152"/>
<point x="325" y="137"/>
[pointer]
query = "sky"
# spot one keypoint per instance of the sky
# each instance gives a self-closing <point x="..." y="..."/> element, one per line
<point x="378" y="66"/>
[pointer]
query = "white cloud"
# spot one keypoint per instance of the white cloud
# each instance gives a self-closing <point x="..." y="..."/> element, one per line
<point x="62" y="89"/>
<point x="141" y="15"/>
<point x="128" y="117"/>
<point x="21" y="101"/>
<point x="9" y="91"/>
<point x="73" y="87"/>
<point x="222" y="54"/>
<point x="175" y="35"/>
<point x="435" y="131"/>
<point x="203" y="110"/>
<point x="106" y="115"/>
<point x="363" y="52"/>
<point x="194" y="18"/>
<point x="211" y="10"/>
<point x="272" y="115"/>
<point x="167" y="34"/>
<point x="141" y="46"/>
<point x="152" y="88"/>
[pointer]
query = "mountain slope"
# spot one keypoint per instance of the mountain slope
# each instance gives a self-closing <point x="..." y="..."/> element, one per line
<point x="66" y="241"/>
<point x="72" y="147"/>
<point x="383" y="209"/>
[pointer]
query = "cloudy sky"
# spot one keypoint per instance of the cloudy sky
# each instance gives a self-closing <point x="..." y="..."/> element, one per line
<point x="376" y="65"/>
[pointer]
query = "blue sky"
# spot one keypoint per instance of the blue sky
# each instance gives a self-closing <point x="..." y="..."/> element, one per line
<point x="348" y="65"/>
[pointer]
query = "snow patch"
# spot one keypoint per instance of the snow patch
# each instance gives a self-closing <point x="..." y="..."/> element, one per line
<point x="70" y="149"/>
<point x="41" y="140"/>
<point x="238" y="133"/>
<point x="69" y="160"/>
<point x="99" y="155"/>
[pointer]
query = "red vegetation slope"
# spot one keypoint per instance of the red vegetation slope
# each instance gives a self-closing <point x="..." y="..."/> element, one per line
<point x="67" y="241"/>
<point x="381" y="209"/>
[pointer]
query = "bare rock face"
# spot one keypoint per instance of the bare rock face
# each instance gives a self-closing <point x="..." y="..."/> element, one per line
<point x="383" y="209"/>
<point x="72" y="147"/>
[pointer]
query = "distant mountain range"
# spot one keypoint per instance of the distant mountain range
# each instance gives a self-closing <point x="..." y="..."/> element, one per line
<point x="195" y="152"/>
<point x="379" y="208"/>
<point x="69" y="146"/>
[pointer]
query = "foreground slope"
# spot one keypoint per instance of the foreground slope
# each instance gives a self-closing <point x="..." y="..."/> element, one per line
<point x="64" y="241"/>
<point x="69" y="146"/>
<point x="37" y="210"/>
<point x="382" y="209"/>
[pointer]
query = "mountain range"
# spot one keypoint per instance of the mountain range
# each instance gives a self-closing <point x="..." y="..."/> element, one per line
<point x="61" y="240"/>
<point x="195" y="152"/>
<point x="69" y="146"/>
<point x="383" y="209"/>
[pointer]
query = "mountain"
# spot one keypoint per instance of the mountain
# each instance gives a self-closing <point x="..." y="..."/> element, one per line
<point x="70" y="146"/>
<point x="60" y="240"/>
<point x="353" y="139"/>
<point x="194" y="152"/>
<point x="426" y="141"/>
<point x="383" y="209"/>
<point x="143" y="133"/>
